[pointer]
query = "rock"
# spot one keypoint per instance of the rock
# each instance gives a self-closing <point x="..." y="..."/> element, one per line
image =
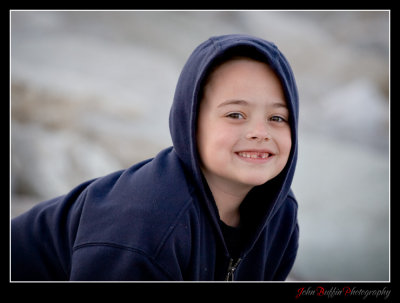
<point x="48" y="163"/>
<point x="343" y="195"/>
<point x="355" y="112"/>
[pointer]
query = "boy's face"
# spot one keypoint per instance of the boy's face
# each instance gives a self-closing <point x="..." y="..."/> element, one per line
<point x="243" y="133"/>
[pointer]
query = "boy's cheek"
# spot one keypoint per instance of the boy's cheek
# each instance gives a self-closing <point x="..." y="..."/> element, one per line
<point x="283" y="139"/>
<point x="288" y="145"/>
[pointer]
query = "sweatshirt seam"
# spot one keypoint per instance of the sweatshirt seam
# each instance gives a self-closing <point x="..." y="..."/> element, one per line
<point x="293" y="200"/>
<point x="153" y="256"/>
<point x="110" y="244"/>
<point x="171" y="228"/>
<point x="215" y="43"/>
<point x="126" y="248"/>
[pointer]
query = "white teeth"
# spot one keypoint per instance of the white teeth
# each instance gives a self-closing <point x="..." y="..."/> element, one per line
<point x="254" y="155"/>
<point x="245" y="155"/>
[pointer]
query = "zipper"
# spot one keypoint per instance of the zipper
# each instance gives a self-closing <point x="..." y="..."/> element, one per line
<point x="231" y="269"/>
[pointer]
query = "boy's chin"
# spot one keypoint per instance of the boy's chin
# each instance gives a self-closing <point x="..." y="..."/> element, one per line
<point x="255" y="181"/>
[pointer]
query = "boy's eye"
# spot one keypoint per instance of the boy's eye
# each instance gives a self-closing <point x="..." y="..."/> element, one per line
<point x="277" y="119"/>
<point x="236" y="116"/>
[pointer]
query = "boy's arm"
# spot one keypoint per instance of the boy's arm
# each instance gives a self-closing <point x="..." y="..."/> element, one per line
<point x="43" y="248"/>
<point x="42" y="238"/>
<point x="107" y="262"/>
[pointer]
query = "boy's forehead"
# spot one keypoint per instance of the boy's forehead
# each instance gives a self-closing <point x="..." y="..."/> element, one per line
<point x="238" y="67"/>
<point x="238" y="70"/>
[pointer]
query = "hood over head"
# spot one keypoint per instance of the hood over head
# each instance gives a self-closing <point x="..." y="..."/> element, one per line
<point x="265" y="198"/>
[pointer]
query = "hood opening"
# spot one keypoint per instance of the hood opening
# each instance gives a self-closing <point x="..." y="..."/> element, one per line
<point x="262" y="200"/>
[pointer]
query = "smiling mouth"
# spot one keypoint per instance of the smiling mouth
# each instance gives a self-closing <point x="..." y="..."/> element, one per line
<point x="253" y="155"/>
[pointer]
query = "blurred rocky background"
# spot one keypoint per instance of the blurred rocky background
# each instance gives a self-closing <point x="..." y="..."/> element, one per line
<point x="91" y="92"/>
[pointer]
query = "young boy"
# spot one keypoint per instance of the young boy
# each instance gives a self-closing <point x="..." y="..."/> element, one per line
<point x="215" y="206"/>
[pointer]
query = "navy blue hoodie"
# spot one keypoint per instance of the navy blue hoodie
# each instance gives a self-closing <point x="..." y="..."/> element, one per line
<point x="157" y="220"/>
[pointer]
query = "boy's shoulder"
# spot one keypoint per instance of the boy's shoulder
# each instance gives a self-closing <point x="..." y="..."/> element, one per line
<point x="137" y="207"/>
<point x="292" y="198"/>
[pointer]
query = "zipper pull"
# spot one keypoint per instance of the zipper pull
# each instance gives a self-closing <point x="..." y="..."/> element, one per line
<point x="231" y="269"/>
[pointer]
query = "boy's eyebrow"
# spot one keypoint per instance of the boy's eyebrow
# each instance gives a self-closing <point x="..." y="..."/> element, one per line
<point x="279" y="104"/>
<point x="230" y="102"/>
<point x="244" y="102"/>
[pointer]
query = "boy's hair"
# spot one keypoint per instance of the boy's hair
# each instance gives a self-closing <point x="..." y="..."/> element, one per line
<point x="243" y="51"/>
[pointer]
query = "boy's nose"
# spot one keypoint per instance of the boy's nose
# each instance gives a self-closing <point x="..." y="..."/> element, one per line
<point x="259" y="132"/>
